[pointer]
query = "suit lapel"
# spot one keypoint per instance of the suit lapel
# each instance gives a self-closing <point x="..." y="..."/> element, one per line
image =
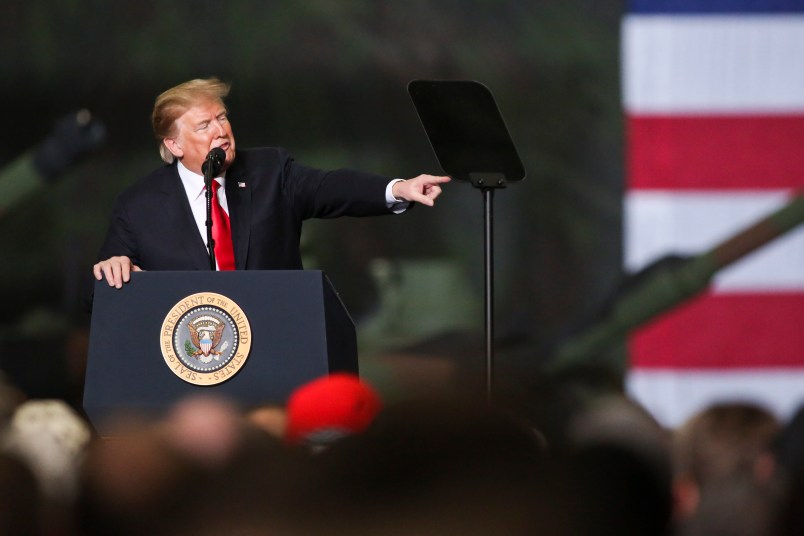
<point x="177" y="210"/>
<point x="238" y="197"/>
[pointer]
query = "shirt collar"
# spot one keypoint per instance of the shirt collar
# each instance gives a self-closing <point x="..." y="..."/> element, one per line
<point x="194" y="183"/>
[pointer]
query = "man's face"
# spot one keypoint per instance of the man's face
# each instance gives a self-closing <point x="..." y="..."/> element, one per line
<point x="200" y="129"/>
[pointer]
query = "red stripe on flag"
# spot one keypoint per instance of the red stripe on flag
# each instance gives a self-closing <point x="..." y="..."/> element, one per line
<point x="716" y="152"/>
<point x="725" y="331"/>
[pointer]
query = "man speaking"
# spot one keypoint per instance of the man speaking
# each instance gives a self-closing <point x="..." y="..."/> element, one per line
<point x="260" y="197"/>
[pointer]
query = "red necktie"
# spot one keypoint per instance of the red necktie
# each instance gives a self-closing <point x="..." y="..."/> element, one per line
<point x="221" y="233"/>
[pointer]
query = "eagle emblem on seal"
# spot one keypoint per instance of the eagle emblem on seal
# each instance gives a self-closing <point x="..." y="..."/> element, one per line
<point x="205" y="333"/>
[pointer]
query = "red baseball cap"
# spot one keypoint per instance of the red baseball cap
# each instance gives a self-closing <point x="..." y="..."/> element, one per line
<point x="328" y="408"/>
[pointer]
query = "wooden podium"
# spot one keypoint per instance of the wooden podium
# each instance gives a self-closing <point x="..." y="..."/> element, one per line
<point x="249" y="336"/>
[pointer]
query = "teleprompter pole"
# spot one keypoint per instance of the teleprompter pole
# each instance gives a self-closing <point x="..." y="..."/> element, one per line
<point x="488" y="226"/>
<point x="487" y="183"/>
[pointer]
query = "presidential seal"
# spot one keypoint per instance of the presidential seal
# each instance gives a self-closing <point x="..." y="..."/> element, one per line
<point x="205" y="339"/>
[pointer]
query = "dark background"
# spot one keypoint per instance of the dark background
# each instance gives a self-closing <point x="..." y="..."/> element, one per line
<point x="327" y="80"/>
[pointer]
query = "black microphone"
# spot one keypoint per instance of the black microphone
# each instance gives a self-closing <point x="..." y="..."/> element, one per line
<point x="214" y="161"/>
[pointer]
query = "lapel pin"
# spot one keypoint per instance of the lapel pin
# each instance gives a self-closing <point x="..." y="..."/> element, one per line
<point x="241" y="184"/>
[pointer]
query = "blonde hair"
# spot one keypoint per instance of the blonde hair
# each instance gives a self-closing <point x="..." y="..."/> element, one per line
<point x="172" y="104"/>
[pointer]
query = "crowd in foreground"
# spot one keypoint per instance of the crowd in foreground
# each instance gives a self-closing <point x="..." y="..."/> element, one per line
<point x="338" y="460"/>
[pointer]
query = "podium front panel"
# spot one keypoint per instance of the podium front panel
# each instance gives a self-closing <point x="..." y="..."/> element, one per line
<point x="299" y="327"/>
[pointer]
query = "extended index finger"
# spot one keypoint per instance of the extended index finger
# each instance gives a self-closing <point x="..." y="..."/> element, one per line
<point x="436" y="179"/>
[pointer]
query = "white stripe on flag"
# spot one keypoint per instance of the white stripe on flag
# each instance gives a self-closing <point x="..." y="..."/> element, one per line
<point x="658" y="222"/>
<point x="672" y="397"/>
<point x="713" y="63"/>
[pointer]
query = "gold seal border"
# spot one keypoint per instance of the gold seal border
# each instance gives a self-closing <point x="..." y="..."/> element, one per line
<point x="205" y="299"/>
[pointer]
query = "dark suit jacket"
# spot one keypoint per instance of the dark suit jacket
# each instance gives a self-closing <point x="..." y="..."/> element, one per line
<point x="269" y="195"/>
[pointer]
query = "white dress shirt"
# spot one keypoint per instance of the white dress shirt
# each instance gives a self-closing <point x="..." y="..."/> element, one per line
<point x="194" y="188"/>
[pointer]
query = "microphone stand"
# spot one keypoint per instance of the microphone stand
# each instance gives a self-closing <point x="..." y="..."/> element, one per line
<point x="208" y="176"/>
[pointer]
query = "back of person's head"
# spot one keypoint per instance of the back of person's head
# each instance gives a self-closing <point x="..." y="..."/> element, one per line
<point x="788" y="452"/>
<point x="614" y="476"/>
<point x="735" y="505"/>
<point x="723" y="440"/>
<point x="10" y="399"/>
<point x="723" y="467"/>
<point x="607" y="489"/>
<point x="52" y="439"/>
<point x="437" y="466"/>
<point x="19" y="497"/>
<point x="618" y="421"/>
<point x="788" y="449"/>
<point x="457" y="437"/>
<point x="171" y="104"/>
<point x="790" y="514"/>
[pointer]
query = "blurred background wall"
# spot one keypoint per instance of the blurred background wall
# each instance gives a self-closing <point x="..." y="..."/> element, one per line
<point x="327" y="80"/>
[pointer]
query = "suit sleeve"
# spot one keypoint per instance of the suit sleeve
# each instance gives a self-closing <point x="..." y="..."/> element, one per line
<point x="331" y="194"/>
<point x="119" y="241"/>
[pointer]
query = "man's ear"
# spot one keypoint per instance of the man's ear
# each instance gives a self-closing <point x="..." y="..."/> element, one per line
<point x="174" y="147"/>
<point x="686" y="497"/>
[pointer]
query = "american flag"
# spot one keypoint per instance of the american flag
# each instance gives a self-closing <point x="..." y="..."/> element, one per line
<point x="713" y="92"/>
